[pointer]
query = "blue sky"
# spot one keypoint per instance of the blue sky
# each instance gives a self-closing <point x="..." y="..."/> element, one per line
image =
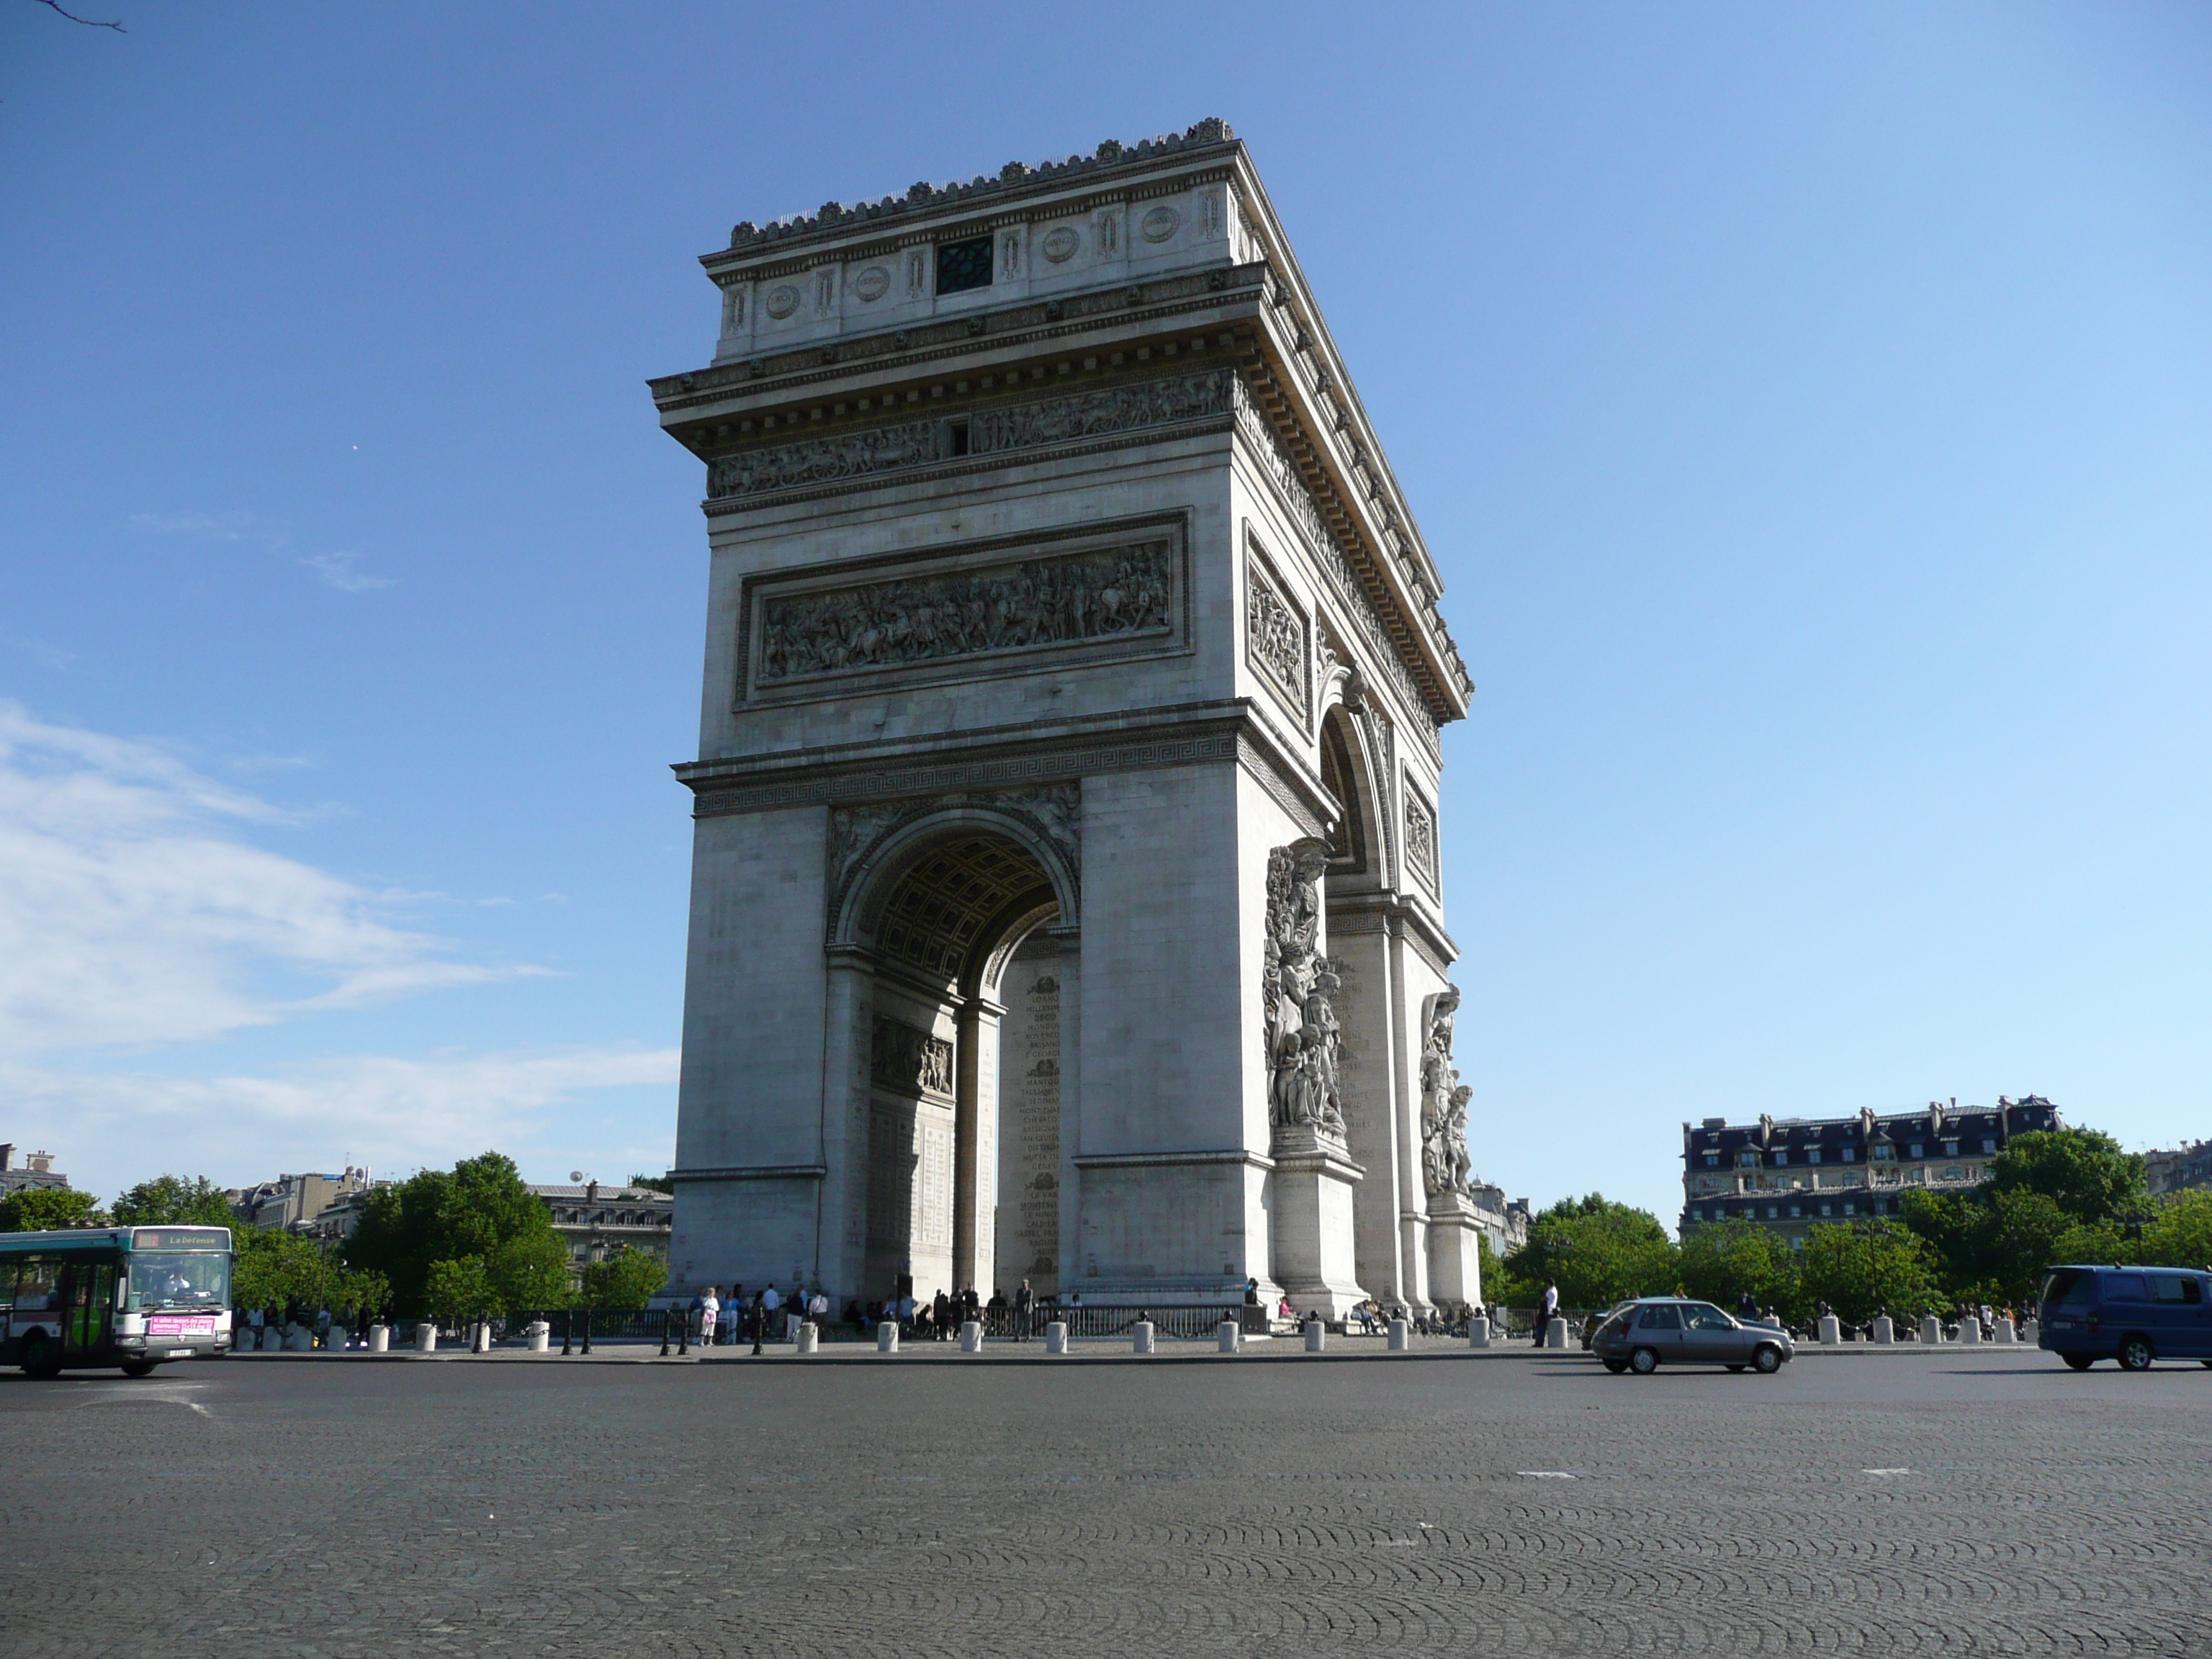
<point x="1810" y="410"/>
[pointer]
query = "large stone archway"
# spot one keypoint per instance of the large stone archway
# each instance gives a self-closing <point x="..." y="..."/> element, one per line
<point x="1066" y="896"/>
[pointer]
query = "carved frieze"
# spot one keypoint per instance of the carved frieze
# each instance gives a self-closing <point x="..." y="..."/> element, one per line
<point x="1331" y="557"/>
<point x="1275" y="638"/>
<point x="909" y="1060"/>
<point x="1420" y="839"/>
<point x="895" y="447"/>
<point x="1305" y="1044"/>
<point x="1123" y="591"/>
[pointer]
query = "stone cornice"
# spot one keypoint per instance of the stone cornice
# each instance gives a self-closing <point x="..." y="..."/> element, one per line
<point x="923" y="209"/>
<point x="1407" y="916"/>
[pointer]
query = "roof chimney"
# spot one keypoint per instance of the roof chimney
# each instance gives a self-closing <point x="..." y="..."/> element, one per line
<point x="7" y="1154"/>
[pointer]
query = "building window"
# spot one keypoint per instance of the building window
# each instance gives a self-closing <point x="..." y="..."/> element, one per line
<point x="1950" y="1149"/>
<point x="1849" y="1208"/>
<point x="1773" y="1211"/>
<point x="1712" y="1160"/>
<point x="961" y="265"/>
<point x="1884" y="1153"/>
<point x="1989" y="1143"/>
<point x="1746" y="1159"/>
<point x="1917" y="1150"/>
<point x="1781" y="1157"/>
<point x="1827" y="1209"/>
<point x="1850" y="1154"/>
<point x="1796" y="1210"/>
<point x="1812" y="1154"/>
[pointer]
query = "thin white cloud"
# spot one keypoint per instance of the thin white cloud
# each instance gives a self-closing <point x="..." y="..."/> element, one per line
<point x="396" y="1114"/>
<point x="337" y="569"/>
<point x="131" y="912"/>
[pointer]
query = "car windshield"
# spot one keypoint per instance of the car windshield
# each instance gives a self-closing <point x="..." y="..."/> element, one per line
<point x="175" y="1278"/>
<point x="2071" y="1286"/>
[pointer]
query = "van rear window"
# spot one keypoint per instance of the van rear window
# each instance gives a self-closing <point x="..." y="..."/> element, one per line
<point x="2074" y="1285"/>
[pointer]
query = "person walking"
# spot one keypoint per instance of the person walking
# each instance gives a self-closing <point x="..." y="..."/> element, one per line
<point x="1024" y="1298"/>
<point x="1548" y="1311"/>
<point x="710" y="1312"/>
<point x="760" y="1315"/>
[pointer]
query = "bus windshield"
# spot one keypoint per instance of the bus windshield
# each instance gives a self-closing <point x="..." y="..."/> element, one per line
<point x="176" y="1279"/>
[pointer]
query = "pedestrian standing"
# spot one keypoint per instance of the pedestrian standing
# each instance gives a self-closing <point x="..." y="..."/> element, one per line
<point x="710" y="1310"/>
<point x="1024" y="1298"/>
<point x="760" y="1315"/>
<point x="1548" y="1311"/>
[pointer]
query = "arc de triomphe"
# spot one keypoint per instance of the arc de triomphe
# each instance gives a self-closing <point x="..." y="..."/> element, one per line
<point x="1065" y="897"/>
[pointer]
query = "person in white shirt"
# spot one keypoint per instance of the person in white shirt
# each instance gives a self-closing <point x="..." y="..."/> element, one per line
<point x="1546" y="1313"/>
<point x="710" y="1311"/>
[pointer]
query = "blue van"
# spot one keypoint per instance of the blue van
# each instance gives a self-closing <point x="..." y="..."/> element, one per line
<point x="2133" y="1314"/>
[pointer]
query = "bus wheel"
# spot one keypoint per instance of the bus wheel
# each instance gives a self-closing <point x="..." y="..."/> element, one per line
<point x="41" y="1358"/>
<point x="139" y="1367"/>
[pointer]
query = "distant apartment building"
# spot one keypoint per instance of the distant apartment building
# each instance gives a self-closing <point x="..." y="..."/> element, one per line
<point x="2179" y="1170"/>
<point x="1505" y="1224"/>
<point x="1790" y="1174"/>
<point x="595" y="1220"/>
<point x="37" y="1169"/>
<point x="294" y="1201"/>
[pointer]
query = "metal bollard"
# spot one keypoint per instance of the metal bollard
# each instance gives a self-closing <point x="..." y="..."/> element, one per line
<point x="1055" y="1337"/>
<point x="663" y="1333"/>
<point x="810" y="1336"/>
<point x="683" y="1330"/>
<point x="1140" y="1334"/>
<point x="587" y="1330"/>
<point x="971" y="1337"/>
<point x="1401" y="1336"/>
<point x="1478" y="1332"/>
<point x="1227" y="1334"/>
<point x="1316" y="1336"/>
<point x="426" y="1337"/>
<point x="886" y="1337"/>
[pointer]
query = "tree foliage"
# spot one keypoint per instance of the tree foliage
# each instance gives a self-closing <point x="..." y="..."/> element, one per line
<point x="478" y="1211"/>
<point x="1598" y="1251"/>
<point x="38" y="1209"/>
<point x="651" y="1184"/>
<point x="1722" y="1261"/>
<point x="459" y="1291"/>
<point x="171" y="1200"/>
<point x="2082" y="1171"/>
<point x="627" y="1279"/>
<point x="278" y="1269"/>
<point x="2181" y="1234"/>
<point x="1860" y="1268"/>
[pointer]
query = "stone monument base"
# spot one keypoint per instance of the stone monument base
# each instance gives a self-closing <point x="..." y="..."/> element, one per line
<point x="1314" y="1180"/>
<point x="1454" y="1268"/>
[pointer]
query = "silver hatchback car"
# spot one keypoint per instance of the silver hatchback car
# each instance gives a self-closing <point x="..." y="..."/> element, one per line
<point x="1652" y="1331"/>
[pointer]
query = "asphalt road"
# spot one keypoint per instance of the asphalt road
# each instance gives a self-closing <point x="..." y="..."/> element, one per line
<point x="1435" y="1504"/>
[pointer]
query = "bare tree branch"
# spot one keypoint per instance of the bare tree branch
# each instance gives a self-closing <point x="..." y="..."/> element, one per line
<point x="89" y="22"/>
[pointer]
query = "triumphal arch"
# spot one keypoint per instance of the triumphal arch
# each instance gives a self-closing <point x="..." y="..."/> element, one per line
<point x="1065" y="901"/>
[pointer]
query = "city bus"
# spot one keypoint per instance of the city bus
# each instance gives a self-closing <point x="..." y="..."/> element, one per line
<point x="132" y="1297"/>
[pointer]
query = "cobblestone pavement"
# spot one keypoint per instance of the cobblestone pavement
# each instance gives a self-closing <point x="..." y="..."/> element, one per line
<point x="1435" y="1504"/>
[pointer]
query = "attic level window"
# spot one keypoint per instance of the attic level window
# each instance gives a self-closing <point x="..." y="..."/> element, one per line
<point x="1748" y="1159"/>
<point x="1812" y="1154"/>
<point x="1989" y="1143"/>
<point x="1917" y="1150"/>
<point x="1781" y="1157"/>
<point x="1712" y="1160"/>
<point x="1884" y="1153"/>
<point x="1850" y="1154"/>
<point x="962" y="265"/>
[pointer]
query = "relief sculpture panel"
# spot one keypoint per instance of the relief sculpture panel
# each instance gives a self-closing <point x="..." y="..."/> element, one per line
<point x="1123" y="592"/>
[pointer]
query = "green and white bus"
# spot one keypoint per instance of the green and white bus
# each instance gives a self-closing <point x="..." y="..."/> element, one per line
<point x="133" y="1297"/>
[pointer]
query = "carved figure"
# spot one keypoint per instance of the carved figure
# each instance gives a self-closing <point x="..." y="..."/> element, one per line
<point x="1304" y="1040"/>
<point x="1445" y="1164"/>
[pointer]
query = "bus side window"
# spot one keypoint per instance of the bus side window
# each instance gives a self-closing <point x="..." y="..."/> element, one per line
<point x="6" y="1289"/>
<point x="36" y="1289"/>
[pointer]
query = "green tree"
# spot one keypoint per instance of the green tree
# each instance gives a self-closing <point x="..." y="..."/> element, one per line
<point x="627" y="1279"/>
<point x="479" y="1208"/>
<point x="1500" y="1288"/>
<point x="2083" y="1171"/>
<point x="280" y="1269"/>
<point x="1598" y="1251"/>
<point x="1859" y="1268"/>
<point x="652" y="1183"/>
<point x="2180" y="1236"/>
<point x="173" y="1201"/>
<point x="460" y="1291"/>
<point x="530" y="1272"/>
<point x="1722" y="1260"/>
<point x="37" y="1209"/>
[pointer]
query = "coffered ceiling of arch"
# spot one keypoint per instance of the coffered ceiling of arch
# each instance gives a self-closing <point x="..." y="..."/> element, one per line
<point x="935" y="916"/>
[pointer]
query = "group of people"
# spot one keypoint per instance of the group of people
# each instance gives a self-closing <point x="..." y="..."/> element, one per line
<point x="938" y="1318"/>
<point x="758" y="1318"/>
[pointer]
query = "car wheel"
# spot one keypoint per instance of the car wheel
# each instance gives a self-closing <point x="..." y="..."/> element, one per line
<point x="1617" y="1366"/>
<point x="2080" y="1362"/>
<point x="139" y="1367"/>
<point x="41" y="1358"/>
<point x="1767" y="1360"/>
<point x="1644" y="1362"/>
<point x="2135" y="1354"/>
